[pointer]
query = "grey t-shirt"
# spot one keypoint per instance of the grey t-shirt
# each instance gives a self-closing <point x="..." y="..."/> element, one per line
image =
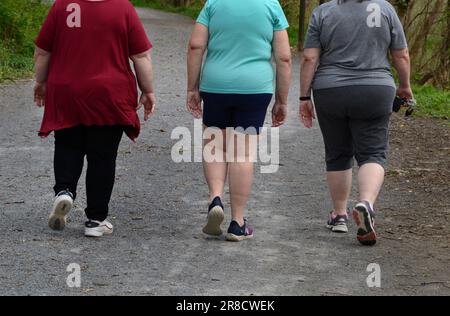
<point x="355" y="38"/>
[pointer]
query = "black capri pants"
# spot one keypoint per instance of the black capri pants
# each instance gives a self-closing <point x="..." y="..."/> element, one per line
<point x="355" y="124"/>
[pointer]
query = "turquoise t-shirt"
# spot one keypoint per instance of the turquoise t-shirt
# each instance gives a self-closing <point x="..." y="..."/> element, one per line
<point x="239" y="59"/>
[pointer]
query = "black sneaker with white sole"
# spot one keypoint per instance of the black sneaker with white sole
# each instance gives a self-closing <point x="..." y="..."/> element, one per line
<point x="61" y="207"/>
<point x="216" y="217"/>
<point x="238" y="233"/>
<point x="337" y="223"/>
<point x="364" y="217"/>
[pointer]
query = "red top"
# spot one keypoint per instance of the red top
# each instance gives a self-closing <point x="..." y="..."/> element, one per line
<point x="90" y="81"/>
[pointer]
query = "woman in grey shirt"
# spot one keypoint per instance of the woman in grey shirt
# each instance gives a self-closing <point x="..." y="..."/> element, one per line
<point x="346" y="65"/>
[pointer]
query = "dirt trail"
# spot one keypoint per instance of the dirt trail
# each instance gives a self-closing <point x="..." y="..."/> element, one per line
<point x="158" y="210"/>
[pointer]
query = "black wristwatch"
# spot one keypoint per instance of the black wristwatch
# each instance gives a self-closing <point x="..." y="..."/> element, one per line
<point x="305" y="98"/>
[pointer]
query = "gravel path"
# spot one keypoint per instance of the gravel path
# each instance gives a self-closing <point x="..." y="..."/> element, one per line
<point x="158" y="209"/>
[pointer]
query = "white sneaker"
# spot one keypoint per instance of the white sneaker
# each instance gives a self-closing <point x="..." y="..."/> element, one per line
<point x="98" y="229"/>
<point x="61" y="207"/>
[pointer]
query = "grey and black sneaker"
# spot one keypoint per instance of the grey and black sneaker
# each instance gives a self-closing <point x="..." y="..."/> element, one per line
<point x="337" y="223"/>
<point x="215" y="218"/>
<point x="364" y="217"/>
<point x="61" y="207"/>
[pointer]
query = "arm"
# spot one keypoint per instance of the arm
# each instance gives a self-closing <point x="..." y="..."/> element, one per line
<point x="144" y="73"/>
<point x="402" y="64"/>
<point x="310" y="61"/>
<point x="309" y="65"/>
<point x="196" y="50"/>
<point x="283" y="60"/>
<point x="42" y="62"/>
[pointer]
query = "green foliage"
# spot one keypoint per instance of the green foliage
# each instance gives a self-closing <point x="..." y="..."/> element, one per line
<point x="20" y="21"/>
<point x="432" y="102"/>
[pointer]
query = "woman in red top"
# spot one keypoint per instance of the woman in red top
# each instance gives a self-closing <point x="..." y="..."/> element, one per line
<point x="85" y="81"/>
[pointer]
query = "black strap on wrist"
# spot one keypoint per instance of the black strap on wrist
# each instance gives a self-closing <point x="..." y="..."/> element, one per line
<point x="305" y="98"/>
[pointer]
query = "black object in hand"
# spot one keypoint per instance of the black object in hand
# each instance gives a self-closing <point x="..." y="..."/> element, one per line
<point x="404" y="103"/>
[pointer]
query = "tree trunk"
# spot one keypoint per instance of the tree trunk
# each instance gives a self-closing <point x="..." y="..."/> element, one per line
<point x="301" y="24"/>
<point x="402" y="8"/>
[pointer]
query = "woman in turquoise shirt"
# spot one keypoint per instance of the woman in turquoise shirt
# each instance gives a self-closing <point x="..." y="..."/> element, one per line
<point x="236" y="85"/>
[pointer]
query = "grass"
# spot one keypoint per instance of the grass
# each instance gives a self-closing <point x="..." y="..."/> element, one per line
<point x="432" y="102"/>
<point x="19" y="25"/>
<point x="14" y="65"/>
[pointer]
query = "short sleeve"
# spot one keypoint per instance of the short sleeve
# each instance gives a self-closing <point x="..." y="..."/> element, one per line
<point x="313" y="34"/>
<point x="205" y="15"/>
<point x="280" y="21"/>
<point x="138" y="41"/>
<point x="47" y="33"/>
<point x="398" y="37"/>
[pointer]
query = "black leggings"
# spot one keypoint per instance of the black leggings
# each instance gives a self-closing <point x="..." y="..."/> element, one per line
<point x="100" y="145"/>
<point x="355" y="124"/>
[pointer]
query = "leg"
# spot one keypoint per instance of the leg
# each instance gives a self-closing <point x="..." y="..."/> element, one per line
<point x="241" y="175"/>
<point x="371" y="138"/>
<point x="340" y="185"/>
<point x="248" y="118"/>
<point x="370" y="131"/>
<point x="102" y="147"/>
<point x="338" y="147"/>
<point x="215" y="170"/>
<point x="68" y="165"/>
<point x="69" y="158"/>
<point x="370" y="181"/>
<point x="217" y="116"/>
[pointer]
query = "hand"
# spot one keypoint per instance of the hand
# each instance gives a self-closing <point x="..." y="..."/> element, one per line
<point x="40" y="91"/>
<point x="405" y="92"/>
<point x="279" y="114"/>
<point x="307" y="114"/>
<point x="194" y="104"/>
<point x="147" y="100"/>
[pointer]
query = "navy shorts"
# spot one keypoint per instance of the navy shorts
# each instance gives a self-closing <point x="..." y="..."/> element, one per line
<point x="355" y="124"/>
<point x="235" y="110"/>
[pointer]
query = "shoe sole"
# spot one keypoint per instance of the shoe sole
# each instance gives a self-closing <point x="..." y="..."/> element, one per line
<point x="215" y="218"/>
<point x="338" y="229"/>
<point x="93" y="233"/>
<point x="61" y="207"/>
<point x="366" y="232"/>
<point x="235" y="238"/>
